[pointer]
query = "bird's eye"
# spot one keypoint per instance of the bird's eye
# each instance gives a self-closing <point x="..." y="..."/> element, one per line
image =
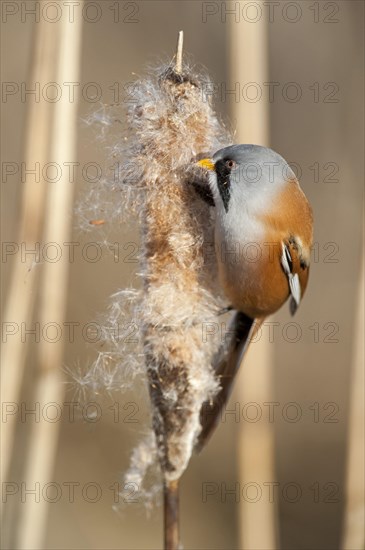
<point x="230" y="164"/>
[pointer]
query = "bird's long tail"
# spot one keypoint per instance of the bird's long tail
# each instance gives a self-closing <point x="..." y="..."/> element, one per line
<point x="243" y="329"/>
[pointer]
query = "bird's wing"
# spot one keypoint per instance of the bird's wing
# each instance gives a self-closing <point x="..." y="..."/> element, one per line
<point x="242" y="329"/>
<point x="296" y="269"/>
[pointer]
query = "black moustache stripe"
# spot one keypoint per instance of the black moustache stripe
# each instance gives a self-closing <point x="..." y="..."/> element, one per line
<point x="224" y="182"/>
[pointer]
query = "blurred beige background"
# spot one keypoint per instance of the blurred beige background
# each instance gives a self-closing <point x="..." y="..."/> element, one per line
<point x="321" y="55"/>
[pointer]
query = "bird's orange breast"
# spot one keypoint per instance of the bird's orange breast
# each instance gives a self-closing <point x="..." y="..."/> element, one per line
<point x="257" y="285"/>
<point x="253" y="278"/>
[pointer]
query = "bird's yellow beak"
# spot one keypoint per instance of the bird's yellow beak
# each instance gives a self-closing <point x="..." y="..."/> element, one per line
<point x="208" y="164"/>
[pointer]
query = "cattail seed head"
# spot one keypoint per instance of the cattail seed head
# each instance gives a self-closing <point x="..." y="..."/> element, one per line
<point x="169" y="124"/>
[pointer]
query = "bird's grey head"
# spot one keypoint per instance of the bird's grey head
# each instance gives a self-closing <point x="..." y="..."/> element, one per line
<point x="247" y="175"/>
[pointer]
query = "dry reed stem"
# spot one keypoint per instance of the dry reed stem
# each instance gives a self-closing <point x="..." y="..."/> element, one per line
<point x="53" y="292"/>
<point x="20" y="301"/>
<point x="354" y="520"/>
<point x="258" y="523"/>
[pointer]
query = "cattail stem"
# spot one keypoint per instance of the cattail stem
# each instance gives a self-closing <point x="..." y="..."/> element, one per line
<point x="171" y="515"/>
<point x="179" y="52"/>
<point x="169" y="125"/>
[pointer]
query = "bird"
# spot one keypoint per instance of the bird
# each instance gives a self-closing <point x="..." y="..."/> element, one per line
<point x="263" y="237"/>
